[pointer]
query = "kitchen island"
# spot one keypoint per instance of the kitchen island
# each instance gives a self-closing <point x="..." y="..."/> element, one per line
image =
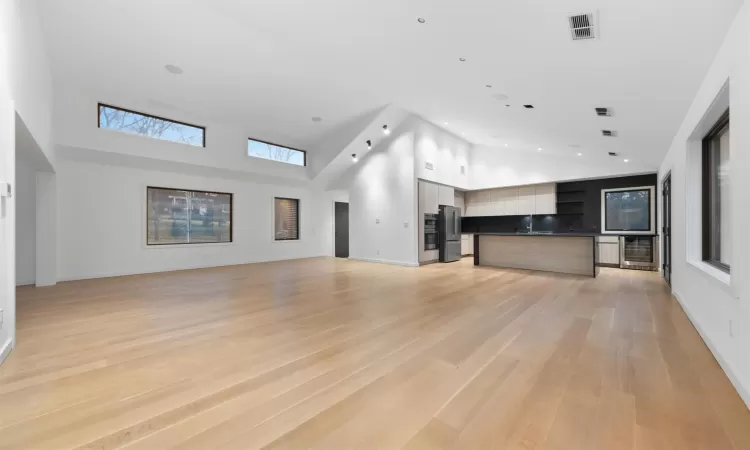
<point x="570" y="253"/>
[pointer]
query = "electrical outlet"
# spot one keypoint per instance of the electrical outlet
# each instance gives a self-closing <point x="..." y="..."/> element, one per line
<point x="377" y="220"/>
<point x="406" y="224"/>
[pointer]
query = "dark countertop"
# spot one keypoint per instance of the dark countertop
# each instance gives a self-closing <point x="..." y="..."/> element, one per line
<point x="571" y="234"/>
<point x="544" y="234"/>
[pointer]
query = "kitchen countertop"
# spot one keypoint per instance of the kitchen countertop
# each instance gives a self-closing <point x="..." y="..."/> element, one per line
<point x="542" y="234"/>
<point x="571" y="234"/>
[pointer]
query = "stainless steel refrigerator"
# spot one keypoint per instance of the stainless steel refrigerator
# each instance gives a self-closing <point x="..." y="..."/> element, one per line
<point x="449" y="232"/>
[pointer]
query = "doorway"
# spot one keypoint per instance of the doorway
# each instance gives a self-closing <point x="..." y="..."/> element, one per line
<point x="666" y="229"/>
<point x="341" y="229"/>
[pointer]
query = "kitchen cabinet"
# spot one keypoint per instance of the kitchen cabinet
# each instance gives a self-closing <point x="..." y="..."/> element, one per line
<point x="467" y="244"/>
<point x="514" y="201"/>
<point x="608" y="250"/>
<point x="428" y="197"/>
<point x="545" y="199"/>
<point x="526" y="200"/>
<point x="445" y="195"/>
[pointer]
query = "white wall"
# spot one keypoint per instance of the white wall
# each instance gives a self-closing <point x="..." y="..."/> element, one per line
<point x="382" y="198"/>
<point x="719" y="309"/>
<point x="25" y="194"/>
<point x="492" y="167"/>
<point x="226" y="144"/>
<point x="446" y="152"/>
<point x="31" y="77"/>
<point x="101" y="222"/>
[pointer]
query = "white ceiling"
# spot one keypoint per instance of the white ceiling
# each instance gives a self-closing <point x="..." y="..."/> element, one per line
<point x="271" y="65"/>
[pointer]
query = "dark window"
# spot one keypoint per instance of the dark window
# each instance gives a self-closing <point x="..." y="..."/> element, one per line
<point x="179" y="216"/>
<point x="267" y="150"/>
<point x="716" y="188"/>
<point x="627" y="210"/>
<point x="286" y="219"/>
<point x="132" y="122"/>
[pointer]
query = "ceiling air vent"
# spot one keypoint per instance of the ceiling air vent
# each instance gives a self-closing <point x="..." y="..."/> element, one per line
<point x="609" y="133"/>
<point x="612" y="154"/>
<point x="603" y="112"/>
<point x="582" y="26"/>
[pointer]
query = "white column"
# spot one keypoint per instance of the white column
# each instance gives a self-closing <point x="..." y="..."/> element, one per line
<point x="46" y="228"/>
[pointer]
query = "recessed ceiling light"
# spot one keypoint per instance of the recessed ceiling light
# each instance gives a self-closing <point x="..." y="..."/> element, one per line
<point x="354" y="157"/>
<point x="317" y="119"/>
<point x="506" y="145"/>
<point x="445" y="123"/>
<point x="625" y="160"/>
<point x="462" y="59"/>
<point x="580" y="154"/>
<point x="173" y="69"/>
<point x="386" y="131"/>
<point x="421" y="20"/>
<point x="539" y="149"/>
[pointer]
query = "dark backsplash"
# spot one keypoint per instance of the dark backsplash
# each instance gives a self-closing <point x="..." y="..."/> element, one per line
<point x="512" y="224"/>
<point x="579" y="209"/>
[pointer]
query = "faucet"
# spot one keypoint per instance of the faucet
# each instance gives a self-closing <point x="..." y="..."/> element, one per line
<point x="531" y="224"/>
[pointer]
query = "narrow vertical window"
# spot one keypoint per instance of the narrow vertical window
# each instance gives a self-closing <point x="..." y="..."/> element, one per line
<point x="717" y="249"/>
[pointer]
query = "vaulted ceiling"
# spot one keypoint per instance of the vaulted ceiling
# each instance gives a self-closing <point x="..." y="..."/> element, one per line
<point x="270" y="66"/>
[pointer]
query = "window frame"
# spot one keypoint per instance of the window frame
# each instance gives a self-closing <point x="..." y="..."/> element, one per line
<point x="273" y="215"/>
<point x="231" y="218"/>
<point x="304" y="153"/>
<point x="651" y="211"/>
<point x="106" y="105"/>
<point x="707" y="231"/>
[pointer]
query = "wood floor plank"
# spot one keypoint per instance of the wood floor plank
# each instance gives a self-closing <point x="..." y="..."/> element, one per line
<point x="330" y="353"/>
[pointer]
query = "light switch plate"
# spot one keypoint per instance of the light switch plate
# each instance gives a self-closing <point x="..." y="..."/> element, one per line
<point x="377" y="220"/>
<point x="406" y="224"/>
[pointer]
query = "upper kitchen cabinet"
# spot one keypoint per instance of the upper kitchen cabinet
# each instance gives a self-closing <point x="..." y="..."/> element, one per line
<point x="446" y="196"/>
<point x="429" y="195"/>
<point x="526" y="200"/>
<point x="545" y="199"/>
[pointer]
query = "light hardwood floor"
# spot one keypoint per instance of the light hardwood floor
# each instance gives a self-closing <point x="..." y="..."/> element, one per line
<point x="336" y="354"/>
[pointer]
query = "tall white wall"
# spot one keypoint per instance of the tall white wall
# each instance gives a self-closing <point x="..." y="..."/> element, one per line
<point x="7" y="174"/>
<point x="444" y="152"/>
<point x="25" y="194"/>
<point x="719" y="308"/>
<point x="382" y="201"/>
<point x="31" y="77"/>
<point x="101" y="222"/>
<point x="226" y="144"/>
<point x="492" y="167"/>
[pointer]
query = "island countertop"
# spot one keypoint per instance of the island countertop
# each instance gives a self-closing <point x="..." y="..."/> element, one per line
<point x="571" y="253"/>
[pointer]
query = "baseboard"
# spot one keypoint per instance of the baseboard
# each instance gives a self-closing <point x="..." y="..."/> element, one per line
<point x="385" y="261"/>
<point x="5" y="351"/>
<point x="724" y="364"/>
<point x="118" y="273"/>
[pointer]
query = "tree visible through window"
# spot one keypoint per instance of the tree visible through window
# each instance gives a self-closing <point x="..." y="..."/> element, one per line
<point x="266" y="150"/>
<point x="150" y="126"/>
<point x="177" y="216"/>
<point x="628" y="210"/>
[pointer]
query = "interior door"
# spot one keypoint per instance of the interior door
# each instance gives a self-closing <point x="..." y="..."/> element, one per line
<point x="341" y="229"/>
<point x="666" y="254"/>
